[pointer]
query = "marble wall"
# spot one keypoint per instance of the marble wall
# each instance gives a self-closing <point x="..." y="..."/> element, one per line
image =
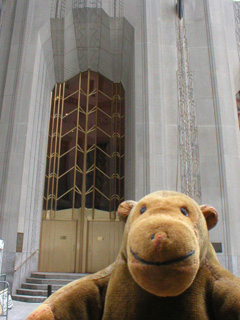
<point x="148" y="56"/>
<point x="35" y="65"/>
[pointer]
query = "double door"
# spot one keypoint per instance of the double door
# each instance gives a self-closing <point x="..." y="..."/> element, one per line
<point x="60" y="250"/>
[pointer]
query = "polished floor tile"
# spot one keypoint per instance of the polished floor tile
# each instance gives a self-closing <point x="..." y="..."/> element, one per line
<point x="20" y="310"/>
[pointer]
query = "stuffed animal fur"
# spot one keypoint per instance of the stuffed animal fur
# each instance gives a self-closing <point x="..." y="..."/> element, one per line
<point x="166" y="269"/>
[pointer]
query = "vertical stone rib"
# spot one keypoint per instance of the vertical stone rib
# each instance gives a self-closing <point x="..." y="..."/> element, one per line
<point x="188" y="134"/>
<point x="1" y="15"/>
<point x="116" y="8"/>
<point x="58" y="8"/>
<point x="57" y="31"/>
<point x="236" y="6"/>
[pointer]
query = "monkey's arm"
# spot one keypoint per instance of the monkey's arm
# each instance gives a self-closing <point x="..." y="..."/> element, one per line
<point x="81" y="299"/>
<point x="226" y="298"/>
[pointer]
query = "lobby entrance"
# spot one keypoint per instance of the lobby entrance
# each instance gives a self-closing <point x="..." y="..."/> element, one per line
<point x="84" y="180"/>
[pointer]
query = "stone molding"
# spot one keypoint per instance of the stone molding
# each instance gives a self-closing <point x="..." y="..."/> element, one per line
<point x="57" y="30"/>
<point x="87" y="4"/>
<point x="236" y="6"/>
<point x="58" y="8"/>
<point x="187" y="127"/>
<point x="116" y="8"/>
<point x="1" y="15"/>
<point x="94" y="41"/>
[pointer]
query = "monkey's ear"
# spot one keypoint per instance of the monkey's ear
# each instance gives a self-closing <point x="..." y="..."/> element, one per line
<point x="210" y="215"/>
<point x="125" y="208"/>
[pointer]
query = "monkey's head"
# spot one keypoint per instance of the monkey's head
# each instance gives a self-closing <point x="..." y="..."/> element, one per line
<point x="165" y="240"/>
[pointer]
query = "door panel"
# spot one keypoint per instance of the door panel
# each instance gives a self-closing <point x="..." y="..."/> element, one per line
<point x="104" y="241"/>
<point x="58" y="246"/>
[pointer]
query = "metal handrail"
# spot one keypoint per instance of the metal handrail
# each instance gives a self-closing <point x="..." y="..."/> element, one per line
<point x="16" y="269"/>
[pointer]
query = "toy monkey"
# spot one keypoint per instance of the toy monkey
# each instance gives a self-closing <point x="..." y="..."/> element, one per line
<point x="166" y="269"/>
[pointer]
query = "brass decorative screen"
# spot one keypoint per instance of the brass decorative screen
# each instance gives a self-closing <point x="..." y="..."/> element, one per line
<point x="85" y="156"/>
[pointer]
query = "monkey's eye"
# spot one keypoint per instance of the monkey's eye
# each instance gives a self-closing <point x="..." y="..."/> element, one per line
<point x="143" y="209"/>
<point x="184" y="211"/>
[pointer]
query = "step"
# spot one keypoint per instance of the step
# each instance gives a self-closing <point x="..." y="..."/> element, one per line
<point x="55" y="275"/>
<point x="48" y="281"/>
<point x="25" y="298"/>
<point x="32" y="292"/>
<point x="35" y="286"/>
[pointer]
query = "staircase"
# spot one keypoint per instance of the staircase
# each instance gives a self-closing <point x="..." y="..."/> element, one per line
<point x="35" y="288"/>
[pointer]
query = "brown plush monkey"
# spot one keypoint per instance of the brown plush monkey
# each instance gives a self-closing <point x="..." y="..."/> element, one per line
<point x="166" y="269"/>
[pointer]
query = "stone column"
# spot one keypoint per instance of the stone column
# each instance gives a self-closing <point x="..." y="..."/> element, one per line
<point x="6" y="29"/>
<point x="24" y="136"/>
<point x="219" y="19"/>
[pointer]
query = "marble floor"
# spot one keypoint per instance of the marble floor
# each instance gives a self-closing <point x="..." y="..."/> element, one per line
<point x="20" y="310"/>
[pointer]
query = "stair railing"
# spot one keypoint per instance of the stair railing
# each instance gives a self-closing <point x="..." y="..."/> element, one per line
<point x="5" y="295"/>
<point x="16" y="269"/>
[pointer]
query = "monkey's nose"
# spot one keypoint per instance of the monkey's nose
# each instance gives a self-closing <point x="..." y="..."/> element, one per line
<point x="159" y="239"/>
